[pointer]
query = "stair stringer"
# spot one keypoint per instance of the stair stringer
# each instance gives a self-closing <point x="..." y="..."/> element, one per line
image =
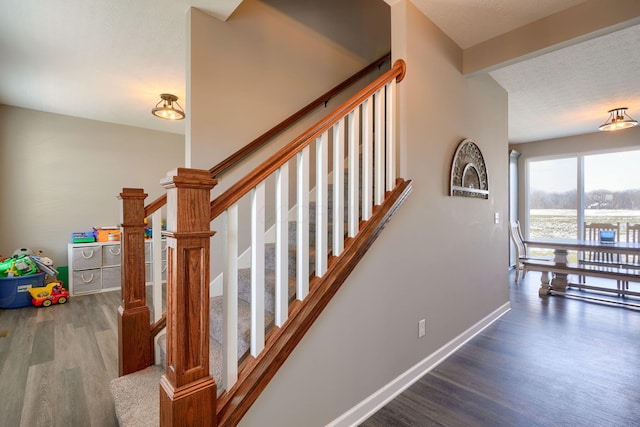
<point x="256" y="373"/>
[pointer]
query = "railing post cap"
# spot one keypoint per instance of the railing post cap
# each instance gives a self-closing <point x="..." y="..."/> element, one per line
<point x="185" y="177"/>
<point x="132" y="193"/>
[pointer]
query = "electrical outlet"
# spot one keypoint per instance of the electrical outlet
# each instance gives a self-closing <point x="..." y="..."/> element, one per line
<point x="422" y="328"/>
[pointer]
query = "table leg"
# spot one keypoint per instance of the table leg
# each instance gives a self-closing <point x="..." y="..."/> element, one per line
<point x="559" y="281"/>
<point x="544" y="284"/>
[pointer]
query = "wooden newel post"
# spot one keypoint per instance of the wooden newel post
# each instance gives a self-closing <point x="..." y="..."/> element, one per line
<point x="134" y="351"/>
<point x="187" y="390"/>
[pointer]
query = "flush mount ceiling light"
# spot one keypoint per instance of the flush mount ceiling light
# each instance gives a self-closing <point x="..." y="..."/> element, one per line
<point x="168" y="108"/>
<point x="618" y="119"/>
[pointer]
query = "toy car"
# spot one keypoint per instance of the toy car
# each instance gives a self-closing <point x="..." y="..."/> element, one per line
<point x="53" y="293"/>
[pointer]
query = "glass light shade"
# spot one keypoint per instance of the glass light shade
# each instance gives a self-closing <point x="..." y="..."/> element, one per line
<point x="618" y="119"/>
<point x="168" y="108"/>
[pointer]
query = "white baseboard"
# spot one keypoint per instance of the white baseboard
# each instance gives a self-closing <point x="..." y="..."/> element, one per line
<point x="373" y="403"/>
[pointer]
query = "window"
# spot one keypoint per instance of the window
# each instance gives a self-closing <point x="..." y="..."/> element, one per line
<point x="552" y="198"/>
<point x="612" y="189"/>
<point x="564" y="193"/>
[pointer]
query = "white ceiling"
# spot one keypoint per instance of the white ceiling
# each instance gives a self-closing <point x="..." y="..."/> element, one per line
<point x="110" y="60"/>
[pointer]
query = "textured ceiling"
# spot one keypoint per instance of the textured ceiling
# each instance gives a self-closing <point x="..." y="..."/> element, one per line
<point x="569" y="91"/>
<point x="110" y="60"/>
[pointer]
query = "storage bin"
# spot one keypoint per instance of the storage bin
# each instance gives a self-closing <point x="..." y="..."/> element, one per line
<point x="14" y="291"/>
<point x="87" y="256"/>
<point x="107" y="235"/>
<point x="87" y="280"/>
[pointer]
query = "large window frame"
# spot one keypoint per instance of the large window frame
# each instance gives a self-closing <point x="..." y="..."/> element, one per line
<point x="580" y="185"/>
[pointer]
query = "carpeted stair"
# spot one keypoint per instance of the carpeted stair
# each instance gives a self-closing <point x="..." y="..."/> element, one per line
<point x="136" y="396"/>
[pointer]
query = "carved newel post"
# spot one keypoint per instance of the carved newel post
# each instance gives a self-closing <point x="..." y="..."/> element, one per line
<point x="134" y="350"/>
<point x="187" y="390"/>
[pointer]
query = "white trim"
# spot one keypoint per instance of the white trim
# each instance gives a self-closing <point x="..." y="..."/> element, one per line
<point x="377" y="400"/>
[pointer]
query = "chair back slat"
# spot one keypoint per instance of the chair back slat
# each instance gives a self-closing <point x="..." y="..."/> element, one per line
<point x="592" y="232"/>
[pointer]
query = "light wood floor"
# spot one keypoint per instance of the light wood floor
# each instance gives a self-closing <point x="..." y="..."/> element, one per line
<point x="551" y="361"/>
<point x="56" y="363"/>
<point x="548" y="362"/>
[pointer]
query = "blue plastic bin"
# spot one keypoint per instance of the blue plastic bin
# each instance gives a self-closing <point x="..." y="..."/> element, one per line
<point x="14" y="291"/>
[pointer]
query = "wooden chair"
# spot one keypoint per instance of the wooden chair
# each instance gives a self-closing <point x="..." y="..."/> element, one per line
<point x="633" y="235"/>
<point x="592" y="232"/>
<point x="522" y="251"/>
<point x="629" y="260"/>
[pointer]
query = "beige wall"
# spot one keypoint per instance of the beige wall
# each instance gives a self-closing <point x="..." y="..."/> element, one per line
<point x="252" y="71"/>
<point x="591" y="143"/>
<point x="249" y="73"/>
<point x="62" y="174"/>
<point x="441" y="258"/>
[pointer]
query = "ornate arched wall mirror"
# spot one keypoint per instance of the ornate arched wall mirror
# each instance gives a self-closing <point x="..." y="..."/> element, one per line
<point x="469" y="172"/>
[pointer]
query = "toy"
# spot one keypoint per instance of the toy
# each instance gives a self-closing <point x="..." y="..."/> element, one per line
<point x="21" y="265"/>
<point x="52" y="293"/>
<point x="22" y="251"/>
<point x="44" y="264"/>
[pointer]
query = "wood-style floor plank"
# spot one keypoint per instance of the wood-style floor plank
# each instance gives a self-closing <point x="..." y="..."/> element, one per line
<point x="56" y="363"/>
<point x="548" y="362"/>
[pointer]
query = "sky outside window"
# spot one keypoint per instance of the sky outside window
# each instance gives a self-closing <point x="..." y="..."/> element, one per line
<point x="554" y="176"/>
<point x="612" y="171"/>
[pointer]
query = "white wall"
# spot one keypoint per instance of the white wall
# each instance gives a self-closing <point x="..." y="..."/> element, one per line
<point x="441" y="258"/>
<point x="62" y="174"/>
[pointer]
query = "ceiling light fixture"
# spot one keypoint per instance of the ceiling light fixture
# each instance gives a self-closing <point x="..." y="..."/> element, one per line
<point x="618" y="119"/>
<point x="170" y="109"/>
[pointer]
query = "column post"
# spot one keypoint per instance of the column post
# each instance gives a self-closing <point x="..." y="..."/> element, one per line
<point x="134" y="351"/>
<point x="187" y="390"/>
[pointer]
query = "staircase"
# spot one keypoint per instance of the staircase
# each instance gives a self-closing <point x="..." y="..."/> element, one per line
<point x="141" y="387"/>
<point x="266" y="309"/>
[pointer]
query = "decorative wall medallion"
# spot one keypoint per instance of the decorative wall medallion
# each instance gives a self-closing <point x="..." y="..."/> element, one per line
<point x="469" y="172"/>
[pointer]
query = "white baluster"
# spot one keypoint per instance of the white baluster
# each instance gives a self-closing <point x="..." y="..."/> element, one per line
<point x="302" y="225"/>
<point x="282" y="244"/>
<point x="354" y="172"/>
<point x="322" y="172"/>
<point x="367" y="158"/>
<point x="338" y="187"/>
<point x="379" y="135"/>
<point x="257" y="269"/>
<point x="230" y="298"/>
<point x="391" y="135"/>
<point x="156" y="253"/>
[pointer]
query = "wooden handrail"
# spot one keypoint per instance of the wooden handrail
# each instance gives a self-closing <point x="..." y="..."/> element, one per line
<point x="254" y="145"/>
<point x="242" y="187"/>
<point x="155" y="205"/>
<point x="159" y="325"/>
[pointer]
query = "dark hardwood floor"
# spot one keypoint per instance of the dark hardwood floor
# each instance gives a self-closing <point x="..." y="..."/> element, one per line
<point x="56" y="363"/>
<point x="551" y="361"/>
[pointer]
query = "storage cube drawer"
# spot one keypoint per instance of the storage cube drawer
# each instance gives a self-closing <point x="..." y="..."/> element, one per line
<point x="148" y="272"/>
<point x="148" y="252"/>
<point x="111" y="255"/>
<point x="111" y="277"/>
<point x="87" y="257"/>
<point x="87" y="281"/>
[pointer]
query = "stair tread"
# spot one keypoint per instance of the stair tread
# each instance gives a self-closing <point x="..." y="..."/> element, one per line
<point x="135" y="387"/>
